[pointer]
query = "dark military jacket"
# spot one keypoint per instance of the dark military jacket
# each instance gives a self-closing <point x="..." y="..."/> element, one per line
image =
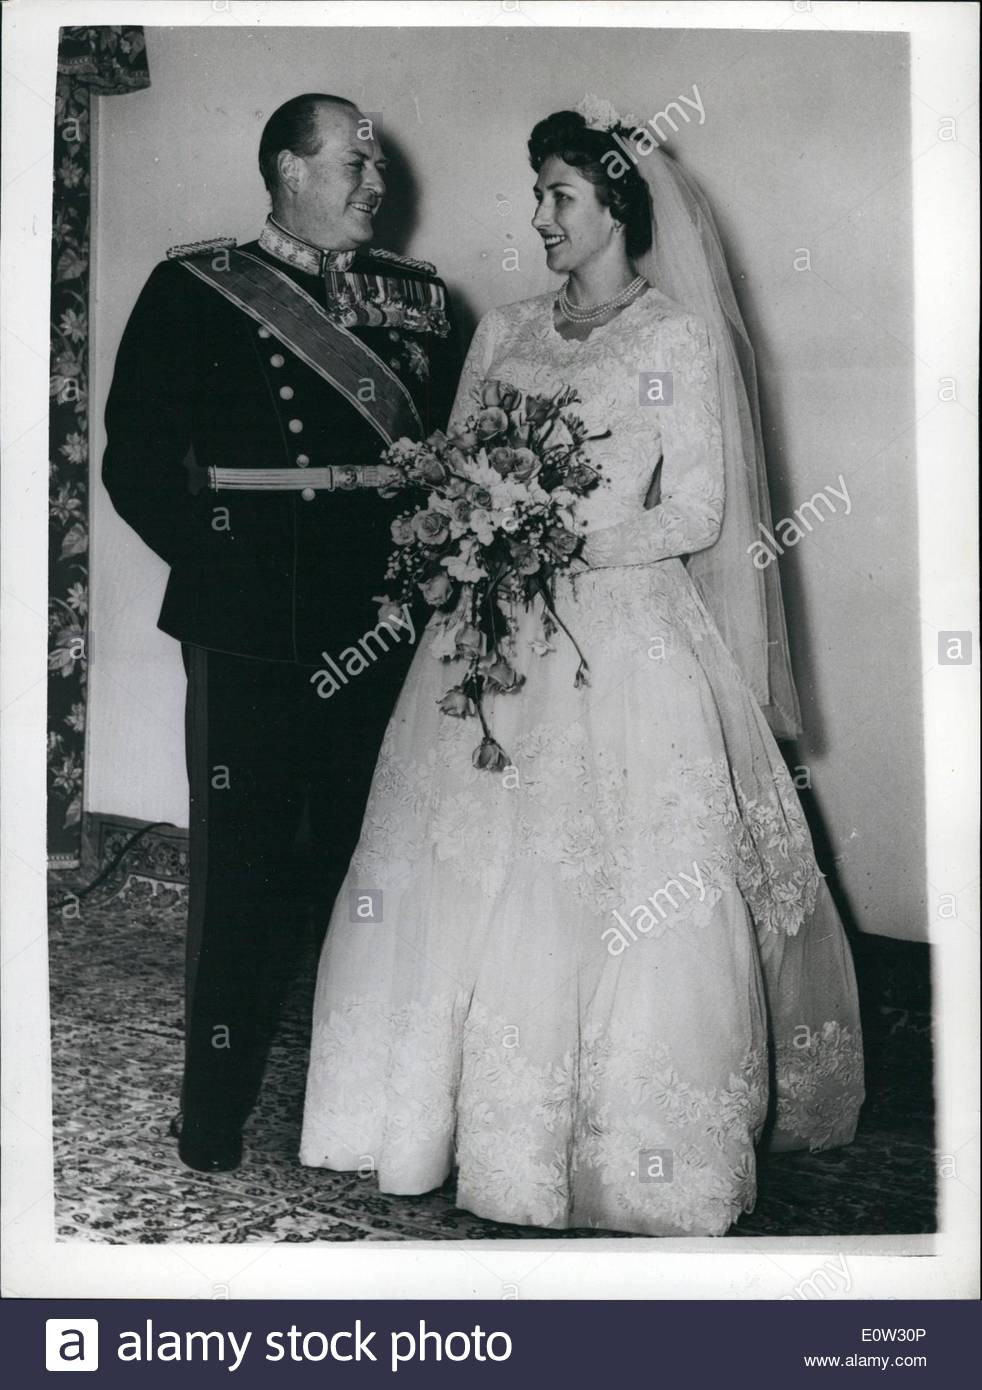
<point x="199" y="383"/>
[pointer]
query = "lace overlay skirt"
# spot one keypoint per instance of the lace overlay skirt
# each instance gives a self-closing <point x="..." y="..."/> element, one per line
<point x="592" y="982"/>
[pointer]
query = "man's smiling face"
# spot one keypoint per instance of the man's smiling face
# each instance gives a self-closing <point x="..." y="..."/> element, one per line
<point x="340" y="188"/>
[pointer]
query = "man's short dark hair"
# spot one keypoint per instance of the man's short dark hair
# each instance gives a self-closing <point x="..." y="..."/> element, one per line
<point x="293" y="126"/>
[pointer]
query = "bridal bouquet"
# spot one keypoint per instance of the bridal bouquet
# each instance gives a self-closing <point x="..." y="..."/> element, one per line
<point x="492" y="523"/>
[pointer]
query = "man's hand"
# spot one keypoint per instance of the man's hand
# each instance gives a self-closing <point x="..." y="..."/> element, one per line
<point x="391" y="485"/>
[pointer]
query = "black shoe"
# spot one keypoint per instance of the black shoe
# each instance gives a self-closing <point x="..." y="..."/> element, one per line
<point x="206" y="1153"/>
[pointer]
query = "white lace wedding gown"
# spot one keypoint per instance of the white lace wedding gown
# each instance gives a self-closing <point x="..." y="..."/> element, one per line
<point x="593" y="974"/>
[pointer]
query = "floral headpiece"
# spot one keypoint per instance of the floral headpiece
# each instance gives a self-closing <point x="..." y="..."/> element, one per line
<point x="600" y="114"/>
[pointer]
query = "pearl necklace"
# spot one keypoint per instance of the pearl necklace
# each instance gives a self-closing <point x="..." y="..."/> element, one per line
<point x="577" y="314"/>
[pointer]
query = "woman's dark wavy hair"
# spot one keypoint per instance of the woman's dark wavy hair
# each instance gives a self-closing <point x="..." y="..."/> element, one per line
<point x="567" y="135"/>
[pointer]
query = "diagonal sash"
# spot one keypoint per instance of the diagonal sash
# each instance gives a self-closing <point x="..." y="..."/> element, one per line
<point x="299" y="322"/>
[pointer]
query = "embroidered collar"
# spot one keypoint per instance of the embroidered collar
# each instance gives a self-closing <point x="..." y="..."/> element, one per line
<point x="285" y="246"/>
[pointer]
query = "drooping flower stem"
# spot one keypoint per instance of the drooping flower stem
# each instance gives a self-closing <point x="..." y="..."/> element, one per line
<point x="581" y="677"/>
<point x="477" y="690"/>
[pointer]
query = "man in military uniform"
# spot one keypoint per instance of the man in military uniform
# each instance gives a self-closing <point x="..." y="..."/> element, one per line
<point x="254" y="391"/>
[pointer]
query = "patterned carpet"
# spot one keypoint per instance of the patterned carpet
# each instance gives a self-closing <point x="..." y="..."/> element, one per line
<point x="116" y="973"/>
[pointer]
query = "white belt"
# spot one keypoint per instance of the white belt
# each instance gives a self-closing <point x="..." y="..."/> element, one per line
<point x="345" y="478"/>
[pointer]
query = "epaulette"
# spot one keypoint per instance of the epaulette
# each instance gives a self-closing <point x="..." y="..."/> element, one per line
<point x="427" y="267"/>
<point x="201" y="248"/>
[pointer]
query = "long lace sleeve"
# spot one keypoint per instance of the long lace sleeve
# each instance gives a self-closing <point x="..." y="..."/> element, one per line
<point x="689" y="514"/>
<point x="474" y="370"/>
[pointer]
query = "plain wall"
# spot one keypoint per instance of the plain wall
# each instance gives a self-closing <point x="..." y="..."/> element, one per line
<point x="804" y="155"/>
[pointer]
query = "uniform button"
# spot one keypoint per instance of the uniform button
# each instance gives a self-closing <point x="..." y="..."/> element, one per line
<point x="308" y="494"/>
<point x="264" y="331"/>
<point x="286" y="393"/>
<point x="295" y="426"/>
<point x="393" y="335"/>
<point x="277" y="359"/>
<point x="303" y="460"/>
<point x="394" y="362"/>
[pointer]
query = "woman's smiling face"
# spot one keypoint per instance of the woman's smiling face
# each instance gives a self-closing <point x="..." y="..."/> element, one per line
<point x="573" y="223"/>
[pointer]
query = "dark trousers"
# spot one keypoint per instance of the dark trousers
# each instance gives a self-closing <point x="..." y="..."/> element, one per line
<point x="265" y="754"/>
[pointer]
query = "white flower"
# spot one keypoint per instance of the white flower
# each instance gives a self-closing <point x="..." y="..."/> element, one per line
<point x="481" y="472"/>
<point x="598" y="113"/>
<point x="480" y="524"/>
<point x="506" y="493"/>
<point x="464" y="566"/>
<point x="443" y="644"/>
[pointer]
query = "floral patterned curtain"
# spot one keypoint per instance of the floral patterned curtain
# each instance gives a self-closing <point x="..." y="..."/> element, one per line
<point x="106" y="61"/>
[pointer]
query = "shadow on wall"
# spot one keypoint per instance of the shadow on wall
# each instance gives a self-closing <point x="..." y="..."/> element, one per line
<point x="396" y="224"/>
<point x="398" y="216"/>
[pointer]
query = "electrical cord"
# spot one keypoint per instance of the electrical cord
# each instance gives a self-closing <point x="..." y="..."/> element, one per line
<point x="114" y="862"/>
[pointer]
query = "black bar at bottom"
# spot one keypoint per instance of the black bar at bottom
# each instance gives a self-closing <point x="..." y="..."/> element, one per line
<point x="548" y="1344"/>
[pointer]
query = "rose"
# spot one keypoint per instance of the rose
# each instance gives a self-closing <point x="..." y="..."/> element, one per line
<point x="563" y="542"/>
<point x="525" y="466"/>
<point x="479" y="497"/>
<point x="524" y="558"/>
<point x="431" y="527"/>
<point x="500" y="675"/>
<point x="460" y="511"/>
<point x="491" y="422"/>
<point x="432" y="471"/>
<point x="469" y="640"/>
<point x="402" y="531"/>
<point x="418" y="467"/>
<point x="498" y="393"/>
<point x="457" y="703"/>
<point x="580" y="477"/>
<point x="502" y="458"/>
<point x="437" y="589"/>
<point x="490" y="757"/>
<point x="537" y="409"/>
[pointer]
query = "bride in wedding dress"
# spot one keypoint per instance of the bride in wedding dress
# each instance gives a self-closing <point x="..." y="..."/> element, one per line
<point x="597" y="982"/>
